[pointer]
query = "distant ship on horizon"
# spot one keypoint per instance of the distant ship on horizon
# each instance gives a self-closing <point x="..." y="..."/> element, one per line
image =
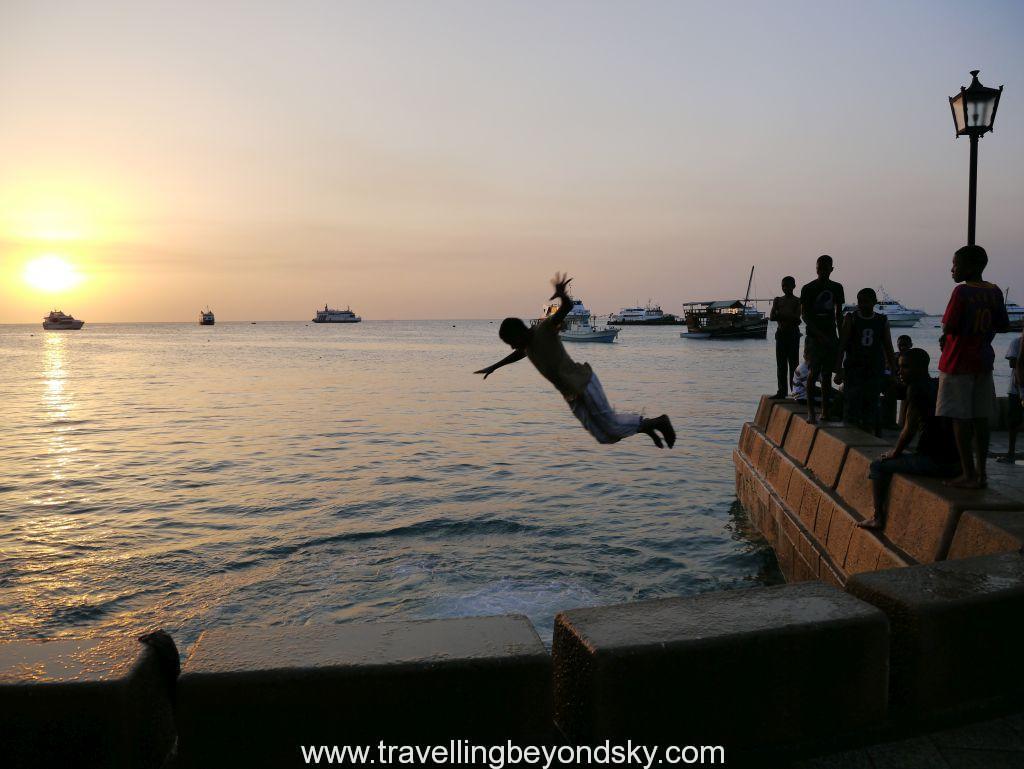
<point x="328" y="315"/>
<point x="206" y="317"/>
<point x="58" y="321"/>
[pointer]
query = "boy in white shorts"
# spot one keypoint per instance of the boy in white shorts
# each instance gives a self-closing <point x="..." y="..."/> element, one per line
<point x="975" y="314"/>
<point x="576" y="381"/>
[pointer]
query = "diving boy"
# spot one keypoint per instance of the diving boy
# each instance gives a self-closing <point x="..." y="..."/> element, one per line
<point x="578" y="384"/>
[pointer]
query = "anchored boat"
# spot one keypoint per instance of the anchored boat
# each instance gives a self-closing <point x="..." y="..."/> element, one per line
<point x="58" y="321"/>
<point x="728" y="319"/>
<point x="651" y="315"/>
<point x="206" y="317"/>
<point x="327" y="315"/>
<point x="579" y="325"/>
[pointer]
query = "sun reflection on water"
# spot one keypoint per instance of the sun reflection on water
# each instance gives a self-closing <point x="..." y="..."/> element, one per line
<point x="58" y="406"/>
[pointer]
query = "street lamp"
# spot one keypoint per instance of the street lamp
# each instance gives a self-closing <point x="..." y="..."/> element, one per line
<point x="974" y="112"/>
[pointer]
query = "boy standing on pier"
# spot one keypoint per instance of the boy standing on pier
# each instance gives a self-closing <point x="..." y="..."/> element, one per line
<point x="578" y="384"/>
<point x="786" y="312"/>
<point x="1014" y="393"/>
<point x="821" y="305"/>
<point x="865" y="350"/>
<point x="974" y="316"/>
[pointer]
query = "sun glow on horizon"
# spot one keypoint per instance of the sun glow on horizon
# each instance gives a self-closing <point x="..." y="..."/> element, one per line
<point x="51" y="273"/>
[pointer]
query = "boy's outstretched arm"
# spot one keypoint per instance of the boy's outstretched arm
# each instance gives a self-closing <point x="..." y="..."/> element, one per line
<point x="515" y="356"/>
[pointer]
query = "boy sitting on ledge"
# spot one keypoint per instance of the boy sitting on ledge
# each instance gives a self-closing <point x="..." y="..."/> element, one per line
<point x="578" y="384"/>
<point x="936" y="453"/>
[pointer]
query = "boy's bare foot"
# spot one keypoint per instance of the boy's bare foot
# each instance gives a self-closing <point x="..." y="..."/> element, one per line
<point x="777" y="396"/>
<point x="1007" y="459"/>
<point x="654" y="437"/>
<point x="665" y="425"/>
<point x="870" y="523"/>
<point x="811" y="419"/>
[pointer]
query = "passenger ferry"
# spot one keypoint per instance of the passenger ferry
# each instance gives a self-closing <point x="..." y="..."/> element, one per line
<point x="58" y="321"/>
<point x="206" y="317"/>
<point x="898" y="315"/>
<point x="643" y="316"/>
<point x="327" y="315"/>
<point x="579" y="325"/>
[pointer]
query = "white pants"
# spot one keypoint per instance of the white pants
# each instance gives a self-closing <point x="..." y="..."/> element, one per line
<point x="598" y="416"/>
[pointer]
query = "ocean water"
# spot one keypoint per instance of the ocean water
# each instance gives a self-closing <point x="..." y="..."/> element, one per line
<point x="176" y="476"/>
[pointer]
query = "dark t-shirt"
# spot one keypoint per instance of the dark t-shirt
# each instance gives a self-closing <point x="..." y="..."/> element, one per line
<point x="864" y="348"/>
<point x="818" y="301"/>
<point x="937" y="439"/>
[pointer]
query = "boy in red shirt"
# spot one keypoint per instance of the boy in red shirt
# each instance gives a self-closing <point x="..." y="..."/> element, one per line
<point x="974" y="315"/>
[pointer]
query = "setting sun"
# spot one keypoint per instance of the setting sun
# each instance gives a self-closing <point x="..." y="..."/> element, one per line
<point x="51" y="273"/>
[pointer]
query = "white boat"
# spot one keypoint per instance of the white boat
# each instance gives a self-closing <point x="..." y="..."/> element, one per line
<point x="206" y="317"/>
<point x="1015" y="313"/>
<point x="58" y="321"/>
<point x="327" y="315"/>
<point x="651" y="315"/>
<point x="898" y="315"/>
<point x="579" y="325"/>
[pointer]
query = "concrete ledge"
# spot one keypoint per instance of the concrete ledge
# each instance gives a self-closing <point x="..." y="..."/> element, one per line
<point x="800" y="438"/>
<point x="985" y="532"/>
<point x="734" y="668"/>
<point x="923" y="514"/>
<point x="778" y="422"/>
<point x="764" y="411"/>
<point x="829" y="451"/>
<point x="957" y="628"/>
<point x="854" y="486"/>
<point x="83" y="703"/>
<point x="250" y="696"/>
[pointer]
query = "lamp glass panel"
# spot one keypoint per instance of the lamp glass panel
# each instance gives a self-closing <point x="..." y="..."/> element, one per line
<point x="980" y="109"/>
<point x="958" y="113"/>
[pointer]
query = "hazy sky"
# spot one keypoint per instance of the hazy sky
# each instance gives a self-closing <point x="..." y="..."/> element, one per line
<point x="442" y="159"/>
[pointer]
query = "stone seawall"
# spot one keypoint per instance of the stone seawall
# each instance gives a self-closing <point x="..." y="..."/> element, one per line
<point x="878" y="636"/>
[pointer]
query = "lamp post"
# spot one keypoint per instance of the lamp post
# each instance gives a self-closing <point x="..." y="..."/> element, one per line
<point x="974" y="112"/>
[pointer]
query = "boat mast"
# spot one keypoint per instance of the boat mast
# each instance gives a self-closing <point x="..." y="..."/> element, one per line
<point x="746" y="298"/>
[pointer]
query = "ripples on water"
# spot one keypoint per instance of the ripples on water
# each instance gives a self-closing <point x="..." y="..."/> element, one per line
<point x="178" y="476"/>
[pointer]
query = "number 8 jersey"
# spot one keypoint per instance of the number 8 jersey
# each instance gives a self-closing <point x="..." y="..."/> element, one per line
<point x="864" y="350"/>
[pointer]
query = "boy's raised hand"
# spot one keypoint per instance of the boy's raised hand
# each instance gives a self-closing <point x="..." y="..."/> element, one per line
<point x="560" y="282"/>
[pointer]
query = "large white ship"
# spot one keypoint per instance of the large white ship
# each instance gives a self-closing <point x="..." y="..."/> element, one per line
<point x="327" y="315"/>
<point x="651" y="315"/>
<point x="58" y="321"/>
<point x="898" y="315"/>
<point x="579" y="325"/>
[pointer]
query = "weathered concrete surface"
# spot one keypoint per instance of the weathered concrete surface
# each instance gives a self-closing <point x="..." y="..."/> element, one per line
<point x="923" y="514"/>
<point x="764" y="411"/>
<point x="854" y="485"/>
<point x="957" y="628"/>
<point x="799" y="439"/>
<point x="778" y="422"/>
<point x="830" y="447"/>
<point x="251" y="696"/>
<point x="985" y="532"/>
<point x="731" y="668"/>
<point x="83" y="703"/>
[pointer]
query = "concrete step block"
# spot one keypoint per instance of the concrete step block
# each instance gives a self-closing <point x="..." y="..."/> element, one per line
<point x="985" y="532"/>
<point x="799" y="485"/>
<point x="85" y="703"/>
<point x="957" y="628"/>
<point x="764" y="411"/>
<point x="829" y="451"/>
<point x="250" y="696"/>
<point x="854" y="486"/>
<point x="841" y="526"/>
<point x="742" y="668"/>
<point x="778" y="422"/>
<point x="864" y="552"/>
<point x="760" y="450"/>
<point x="800" y="438"/>
<point x="780" y="470"/>
<point x="923" y="514"/>
<point x="813" y="498"/>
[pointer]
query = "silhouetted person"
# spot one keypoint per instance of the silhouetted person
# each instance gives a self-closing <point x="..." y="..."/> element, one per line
<point x="578" y="384"/>
<point x="1014" y="393"/>
<point x="821" y="305"/>
<point x="895" y="391"/>
<point x="975" y="314"/>
<point x="936" y="453"/>
<point x="786" y="312"/>
<point x="865" y="349"/>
